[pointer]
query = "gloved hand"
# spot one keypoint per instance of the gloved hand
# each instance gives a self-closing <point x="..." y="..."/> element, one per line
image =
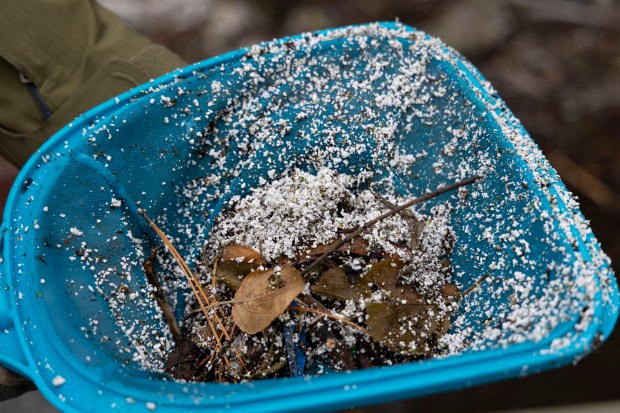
<point x="57" y="60"/>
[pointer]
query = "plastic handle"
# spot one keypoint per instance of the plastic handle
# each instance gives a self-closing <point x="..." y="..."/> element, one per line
<point x="6" y="320"/>
<point x="11" y="354"/>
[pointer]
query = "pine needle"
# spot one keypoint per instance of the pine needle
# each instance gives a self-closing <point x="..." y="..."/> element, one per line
<point x="194" y="283"/>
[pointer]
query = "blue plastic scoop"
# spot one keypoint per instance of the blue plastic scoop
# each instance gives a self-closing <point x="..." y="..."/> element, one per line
<point x="381" y="101"/>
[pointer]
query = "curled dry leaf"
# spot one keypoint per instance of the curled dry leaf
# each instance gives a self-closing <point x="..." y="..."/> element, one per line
<point x="239" y="253"/>
<point x="263" y="296"/>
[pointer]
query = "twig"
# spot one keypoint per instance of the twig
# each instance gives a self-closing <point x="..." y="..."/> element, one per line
<point x="214" y="271"/>
<point x="475" y="285"/>
<point x="151" y="277"/>
<point x="194" y="284"/>
<point x="331" y="316"/>
<point x="412" y="221"/>
<point x="262" y="373"/>
<point x="393" y="211"/>
<point x="234" y="347"/>
<point x="387" y="203"/>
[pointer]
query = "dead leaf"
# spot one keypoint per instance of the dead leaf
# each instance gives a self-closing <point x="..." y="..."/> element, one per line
<point x="386" y="274"/>
<point x="335" y="284"/>
<point x="450" y="292"/>
<point x="231" y="272"/>
<point x="406" y="328"/>
<point x="239" y="253"/>
<point x="263" y="296"/>
<point x="358" y="246"/>
<point x="182" y="361"/>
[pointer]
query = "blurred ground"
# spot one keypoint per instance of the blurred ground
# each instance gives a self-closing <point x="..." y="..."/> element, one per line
<point x="555" y="62"/>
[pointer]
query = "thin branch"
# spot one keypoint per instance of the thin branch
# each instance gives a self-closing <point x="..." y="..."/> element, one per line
<point x="475" y="285"/>
<point x="389" y="213"/>
<point x="262" y="373"/>
<point x="331" y="316"/>
<point x="193" y="282"/>
<point x="406" y="213"/>
<point x="160" y="296"/>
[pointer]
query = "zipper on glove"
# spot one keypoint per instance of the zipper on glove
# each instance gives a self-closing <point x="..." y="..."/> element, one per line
<point x="45" y="111"/>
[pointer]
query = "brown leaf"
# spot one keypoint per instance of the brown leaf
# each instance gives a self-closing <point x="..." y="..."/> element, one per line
<point x="239" y="253"/>
<point x="231" y="272"/>
<point x="406" y="329"/>
<point x="182" y="363"/>
<point x="335" y="284"/>
<point x="358" y="246"/>
<point x="450" y="292"/>
<point x="263" y="296"/>
<point x="385" y="274"/>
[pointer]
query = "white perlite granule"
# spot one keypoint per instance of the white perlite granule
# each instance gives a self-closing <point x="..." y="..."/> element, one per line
<point x="58" y="381"/>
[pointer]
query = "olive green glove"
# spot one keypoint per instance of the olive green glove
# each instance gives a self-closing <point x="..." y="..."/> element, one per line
<point x="59" y="58"/>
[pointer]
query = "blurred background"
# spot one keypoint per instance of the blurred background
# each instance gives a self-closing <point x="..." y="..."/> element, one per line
<point x="557" y="65"/>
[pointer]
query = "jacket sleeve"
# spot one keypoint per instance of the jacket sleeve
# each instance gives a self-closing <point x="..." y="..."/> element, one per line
<point x="65" y="56"/>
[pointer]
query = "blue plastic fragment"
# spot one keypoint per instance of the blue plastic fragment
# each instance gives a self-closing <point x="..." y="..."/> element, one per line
<point x="294" y="353"/>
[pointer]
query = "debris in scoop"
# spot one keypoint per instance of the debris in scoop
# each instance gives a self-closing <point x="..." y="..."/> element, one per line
<point x="380" y="109"/>
<point x="313" y="274"/>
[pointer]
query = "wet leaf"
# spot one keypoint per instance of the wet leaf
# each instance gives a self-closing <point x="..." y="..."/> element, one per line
<point x="406" y="328"/>
<point x="181" y="363"/>
<point x="239" y="253"/>
<point x="450" y="292"/>
<point x="357" y="246"/>
<point x="263" y="296"/>
<point x="385" y="274"/>
<point x="335" y="284"/>
<point x="231" y="273"/>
